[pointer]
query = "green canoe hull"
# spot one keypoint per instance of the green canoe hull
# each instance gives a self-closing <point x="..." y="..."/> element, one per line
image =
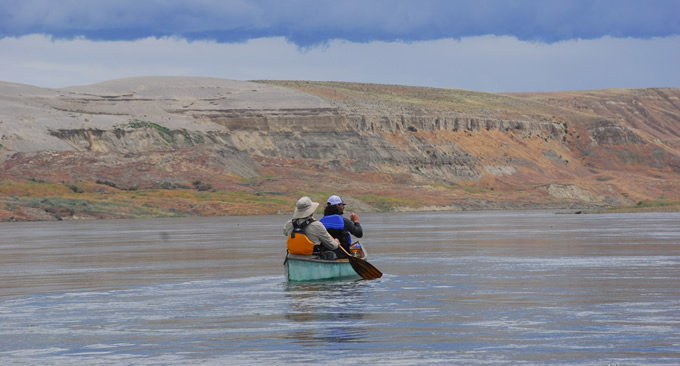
<point x="307" y="268"/>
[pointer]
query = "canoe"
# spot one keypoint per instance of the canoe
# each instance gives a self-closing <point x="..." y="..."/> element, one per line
<point x="311" y="268"/>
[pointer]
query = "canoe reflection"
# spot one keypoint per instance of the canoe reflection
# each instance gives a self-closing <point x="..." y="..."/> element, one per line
<point x="325" y="312"/>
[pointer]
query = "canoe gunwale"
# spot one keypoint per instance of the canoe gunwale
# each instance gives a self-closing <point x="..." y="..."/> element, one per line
<point x="311" y="258"/>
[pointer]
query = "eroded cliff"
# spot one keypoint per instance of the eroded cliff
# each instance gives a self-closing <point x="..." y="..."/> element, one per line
<point x="385" y="147"/>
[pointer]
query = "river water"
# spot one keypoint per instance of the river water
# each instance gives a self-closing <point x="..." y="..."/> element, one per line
<point x="506" y="287"/>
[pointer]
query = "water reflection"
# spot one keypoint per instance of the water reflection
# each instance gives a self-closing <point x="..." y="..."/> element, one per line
<point x="330" y="312"/>
<point x="460" y="288"/>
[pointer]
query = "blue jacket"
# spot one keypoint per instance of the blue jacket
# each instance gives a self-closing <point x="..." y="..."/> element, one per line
<point x="340" y="228"/>
<point x="335" y="224"/>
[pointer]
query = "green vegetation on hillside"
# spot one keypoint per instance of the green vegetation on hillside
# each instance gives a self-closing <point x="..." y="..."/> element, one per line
<point x="659" y="205"/>
<point x="37" y="199"/>
<point x="31" y="200"/>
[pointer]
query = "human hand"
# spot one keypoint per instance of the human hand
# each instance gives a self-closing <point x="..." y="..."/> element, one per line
<point x="354" y="217"/>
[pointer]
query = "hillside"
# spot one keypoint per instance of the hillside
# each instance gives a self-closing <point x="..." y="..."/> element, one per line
<point x="175" y="146"/>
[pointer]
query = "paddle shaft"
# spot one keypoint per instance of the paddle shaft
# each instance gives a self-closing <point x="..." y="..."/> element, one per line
<point x="345" y="250"/>
<point x="364" y="269"/>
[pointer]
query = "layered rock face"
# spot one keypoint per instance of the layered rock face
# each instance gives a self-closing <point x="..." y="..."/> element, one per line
<point x="524" y="149"/>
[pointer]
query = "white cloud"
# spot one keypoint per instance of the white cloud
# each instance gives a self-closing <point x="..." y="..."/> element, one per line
<point x="487" y="63"/>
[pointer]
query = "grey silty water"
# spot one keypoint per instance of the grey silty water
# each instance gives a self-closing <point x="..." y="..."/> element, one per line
<point x="503" y="287"/>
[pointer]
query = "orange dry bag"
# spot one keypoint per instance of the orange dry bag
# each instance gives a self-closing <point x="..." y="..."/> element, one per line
<point x="298" y="242"/>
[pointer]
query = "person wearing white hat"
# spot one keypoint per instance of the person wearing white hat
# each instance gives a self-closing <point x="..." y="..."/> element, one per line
<point x="306" y="236"/>
<point x="339" y="226"/>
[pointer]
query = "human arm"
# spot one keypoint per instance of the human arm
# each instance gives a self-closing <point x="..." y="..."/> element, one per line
<point x="353" y="226"/>
<point x="288" y="228"/>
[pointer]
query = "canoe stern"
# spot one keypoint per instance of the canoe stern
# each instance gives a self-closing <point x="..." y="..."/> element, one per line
<point x="307" y="268"/>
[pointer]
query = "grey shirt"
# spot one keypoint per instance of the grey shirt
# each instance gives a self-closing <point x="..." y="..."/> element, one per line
<point x="315" y="231"/>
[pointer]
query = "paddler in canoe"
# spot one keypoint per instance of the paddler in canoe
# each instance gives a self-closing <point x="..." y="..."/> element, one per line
<point x="310" y="250"/>
<point x="306" y="236"/>
<point x="339" y="226"/>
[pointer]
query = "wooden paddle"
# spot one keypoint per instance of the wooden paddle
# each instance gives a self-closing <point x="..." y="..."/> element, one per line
<point x="361" y="267"/>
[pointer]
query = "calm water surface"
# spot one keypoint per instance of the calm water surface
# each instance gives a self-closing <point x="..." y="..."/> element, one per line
<point x="459" y="288"/>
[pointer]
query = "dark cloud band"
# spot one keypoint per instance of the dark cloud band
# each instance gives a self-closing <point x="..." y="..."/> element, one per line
<point x="310" y="22"/>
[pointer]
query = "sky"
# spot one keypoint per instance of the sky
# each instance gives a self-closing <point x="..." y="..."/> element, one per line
<point x="482" y="45"/>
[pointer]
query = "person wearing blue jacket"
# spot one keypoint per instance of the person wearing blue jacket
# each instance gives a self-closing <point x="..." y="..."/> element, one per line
<point x="339" y="226"/>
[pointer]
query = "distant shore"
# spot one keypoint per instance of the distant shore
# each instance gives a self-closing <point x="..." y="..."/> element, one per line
<point x="650" y="206"/>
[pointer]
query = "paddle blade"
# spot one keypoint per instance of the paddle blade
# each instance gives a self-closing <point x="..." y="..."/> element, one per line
<point x="364" y="269"/>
